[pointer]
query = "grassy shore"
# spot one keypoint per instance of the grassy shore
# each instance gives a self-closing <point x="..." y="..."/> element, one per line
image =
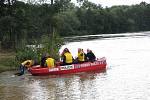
<point x="7" y="61"/>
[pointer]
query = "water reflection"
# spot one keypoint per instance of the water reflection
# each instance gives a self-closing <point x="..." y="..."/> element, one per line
<point x="36" y="91"/>
<point x="75" y="87"/>
<point x="65" y="87"/>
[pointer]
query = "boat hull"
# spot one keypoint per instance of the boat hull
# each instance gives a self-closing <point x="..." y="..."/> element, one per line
<point x="67" y="69"/>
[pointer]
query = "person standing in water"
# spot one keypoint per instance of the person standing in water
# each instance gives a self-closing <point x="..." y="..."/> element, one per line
<point x="25" y="65"/>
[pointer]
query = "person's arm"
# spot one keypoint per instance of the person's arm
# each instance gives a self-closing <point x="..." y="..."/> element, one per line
<point x="21" y="70"/>
<point x="43" y="61"/>
<point x="85" y="57"/>
<point x="94" y="56"/>
<point x="45" y="64"/>
<point x="72" y="59"/>
<point x="54" y="63"/>
<point x="64" y="59"/>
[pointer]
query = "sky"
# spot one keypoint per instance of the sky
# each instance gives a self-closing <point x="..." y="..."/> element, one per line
<point x="110" y="3"/>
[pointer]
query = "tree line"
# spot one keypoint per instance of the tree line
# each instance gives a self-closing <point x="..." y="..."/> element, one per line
<point x="27" y="22"/>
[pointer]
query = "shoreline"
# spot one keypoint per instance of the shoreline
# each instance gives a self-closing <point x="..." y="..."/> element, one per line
<point x="7" y="60"/>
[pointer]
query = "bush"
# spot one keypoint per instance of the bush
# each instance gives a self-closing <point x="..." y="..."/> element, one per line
<point x="26" y="53"/>
<point x="49" y="45"/>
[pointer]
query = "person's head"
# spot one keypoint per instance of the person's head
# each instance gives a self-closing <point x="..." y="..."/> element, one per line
<point x="35" y="61"/>
<point x="82" y="50"/>
<point x="65" y="50"/>
<point x="48" y="56"/>
<point x="45" y="54"/>
<point x="88" y="50"/>
<point x="79" y="49"/>
<point x="28" y="63"/>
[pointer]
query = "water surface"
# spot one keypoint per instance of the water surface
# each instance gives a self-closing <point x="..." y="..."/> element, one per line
<point x="127" y="76"/>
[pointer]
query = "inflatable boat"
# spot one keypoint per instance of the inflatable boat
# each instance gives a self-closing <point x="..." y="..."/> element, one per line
<point x="99" y="64"/>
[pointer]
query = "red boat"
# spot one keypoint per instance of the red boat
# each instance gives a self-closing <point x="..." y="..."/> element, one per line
<point x="99" y="64"/>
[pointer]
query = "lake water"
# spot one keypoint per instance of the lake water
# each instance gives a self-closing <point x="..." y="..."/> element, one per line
<point x="127" y="76"/>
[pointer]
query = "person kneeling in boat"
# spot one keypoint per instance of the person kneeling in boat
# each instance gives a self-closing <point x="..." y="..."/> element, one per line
<point x="43" y="59"/>
<point x="25" y="65"/>
<point x="81" y="56"/>
<point x="50" y="62"/>
<point x="90" y="55"/>
<point x="66" y="57"/>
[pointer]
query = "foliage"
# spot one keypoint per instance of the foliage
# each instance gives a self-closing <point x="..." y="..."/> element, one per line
<point x="21" y="23"/>
<point x="26" y="53"/>
<point x="7" y="61"/>
<point x="39" y="23"/>
<point x="35" y="51"/>
<point x="51" y="46"/>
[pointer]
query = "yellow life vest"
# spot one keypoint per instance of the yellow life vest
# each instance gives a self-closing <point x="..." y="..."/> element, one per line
<point x="80" y="56"/>
<point x="68" y="57"/>
<point x="50" y="62"/>
<point x="27" y="63"/>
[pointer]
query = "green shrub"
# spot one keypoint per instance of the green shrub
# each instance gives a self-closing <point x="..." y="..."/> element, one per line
<point x="49" y="45"/>
<point x="7" y="62"/>
<point x="26" y="53"/>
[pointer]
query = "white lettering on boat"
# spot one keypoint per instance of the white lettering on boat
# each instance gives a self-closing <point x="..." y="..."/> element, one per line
<point x="82" y="65"/>
<point x="95" y="63"/>
<point x="90" y="64"/>
<point x="53" y="69"/>
<point x="67" y="67"/>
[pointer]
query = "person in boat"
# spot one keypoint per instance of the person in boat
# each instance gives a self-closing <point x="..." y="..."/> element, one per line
<point x="50" y="62"/>
<point x="90" y="55"/>
<point x="66" y="57"/>
<point x="43" y="59"/>
<point x="25" y="65"/>
<point x="85" y="59"/>
<point x="81" y="56"/>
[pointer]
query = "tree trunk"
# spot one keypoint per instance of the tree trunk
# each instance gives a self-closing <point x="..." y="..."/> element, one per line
<point x="52" y="1"/>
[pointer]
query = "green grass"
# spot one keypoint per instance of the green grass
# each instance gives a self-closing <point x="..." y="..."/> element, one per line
<point x="7" y="61"/>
